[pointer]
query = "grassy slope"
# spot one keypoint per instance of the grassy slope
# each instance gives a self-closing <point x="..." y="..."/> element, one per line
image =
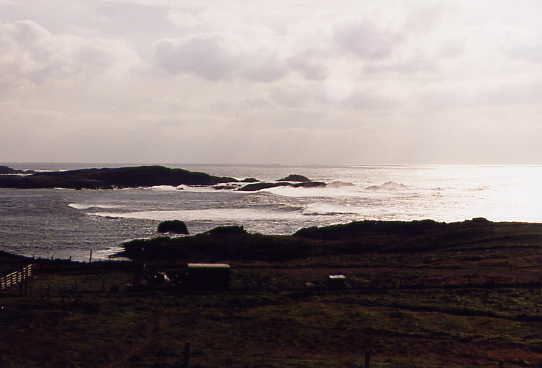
<point x="458" y="295"/>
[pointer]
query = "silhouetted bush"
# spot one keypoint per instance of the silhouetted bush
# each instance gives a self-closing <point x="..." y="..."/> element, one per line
<point x="227" y="230"/>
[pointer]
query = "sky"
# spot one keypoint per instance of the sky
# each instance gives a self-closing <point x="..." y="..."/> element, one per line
<point x="281" y="82"/>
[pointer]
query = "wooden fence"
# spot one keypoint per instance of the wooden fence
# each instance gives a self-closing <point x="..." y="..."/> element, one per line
<point x="21" y="278"/>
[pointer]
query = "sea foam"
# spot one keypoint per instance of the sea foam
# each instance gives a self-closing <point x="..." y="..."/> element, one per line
<point x="219" y="214"/>
<point x="87" y="206"/>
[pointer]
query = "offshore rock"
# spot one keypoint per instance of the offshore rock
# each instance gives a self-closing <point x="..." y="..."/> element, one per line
<point x="259" y="186"/>
<point x="295" y="177"/>
<point x="173" y="226"/>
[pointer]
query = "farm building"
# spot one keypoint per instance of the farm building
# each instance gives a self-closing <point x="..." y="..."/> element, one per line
<point x="335" y="281"/>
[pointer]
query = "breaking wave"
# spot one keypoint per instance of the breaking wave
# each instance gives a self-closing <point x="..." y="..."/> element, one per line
<point x="339" y="184"/>
<point x="389" y="185"/>
<point x="87" y="206"/>
<point x="324" y="209"/>
<point x="220" y="214"/>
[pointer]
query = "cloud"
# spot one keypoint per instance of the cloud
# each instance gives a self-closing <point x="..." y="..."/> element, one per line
<point x="527" y="52"/>
<point x="366" y="41"/>
<point x="28" y="52"/>
<point x="32" y="54"/>
<point x="365" y="73"/>
<point x="361" y="100"/>
<point x="262" y="67"/>
<point x="129" y="18"/>
<point x="409" y="66"/>
<point x="203" y="56"/>
<point x="310" y="65"/>
<point x="210" y="58"/>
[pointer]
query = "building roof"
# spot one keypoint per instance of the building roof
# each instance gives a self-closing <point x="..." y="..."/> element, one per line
<point x="208" y="265"/>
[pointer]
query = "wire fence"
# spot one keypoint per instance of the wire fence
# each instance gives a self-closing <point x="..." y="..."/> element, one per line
<point x="19" y="278"/>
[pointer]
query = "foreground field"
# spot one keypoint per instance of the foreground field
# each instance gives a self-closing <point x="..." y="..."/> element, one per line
<point x="475" y="301"/>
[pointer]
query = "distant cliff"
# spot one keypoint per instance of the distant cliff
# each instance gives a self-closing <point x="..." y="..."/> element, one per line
<point x="123" y="177"/>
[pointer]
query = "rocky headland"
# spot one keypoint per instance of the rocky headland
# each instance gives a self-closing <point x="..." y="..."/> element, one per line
<point x="108" y="178"/>
<point x="139" y="176"/>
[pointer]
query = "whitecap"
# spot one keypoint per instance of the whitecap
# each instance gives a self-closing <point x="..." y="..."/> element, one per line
<point x="339" y="184"/>
<point x="389" y="185"/>
<point x="325" y="209"/>
<point x="87" y="206"/>
<point x="163" y="188"/>
<point x="344" y="191"/>
<point x="219" y="214"/>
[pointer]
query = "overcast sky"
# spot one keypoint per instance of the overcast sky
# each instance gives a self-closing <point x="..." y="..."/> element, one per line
<point x="290" y="82"/>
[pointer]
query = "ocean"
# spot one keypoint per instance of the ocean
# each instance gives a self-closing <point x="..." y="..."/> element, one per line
<point x="65" y="223"/>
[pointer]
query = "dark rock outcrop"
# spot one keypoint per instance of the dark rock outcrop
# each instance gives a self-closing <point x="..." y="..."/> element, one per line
<point x="4" y="170"/>
<point x="123" y="177"/>
<point x="225" y="187"/>
<point x="295" y="177"/>
<point x="249" y="180"/>
<point x="173" y="226"/>
<point x="259" y="186"/>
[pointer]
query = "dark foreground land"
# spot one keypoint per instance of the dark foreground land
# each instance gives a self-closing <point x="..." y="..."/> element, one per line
<point x="419" y="294"/>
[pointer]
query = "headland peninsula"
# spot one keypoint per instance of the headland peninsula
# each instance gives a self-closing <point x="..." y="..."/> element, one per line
<point x="136" y="176"/>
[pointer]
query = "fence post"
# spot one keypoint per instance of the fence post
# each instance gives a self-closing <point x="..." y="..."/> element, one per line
<point x="90" y="257"/>
<point x="186" y="355"/>
<point x="367" y="359"/>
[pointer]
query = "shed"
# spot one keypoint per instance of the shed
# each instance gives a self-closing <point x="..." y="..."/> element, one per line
<point x="207" y="276"/>
<point x="336" y="281"/>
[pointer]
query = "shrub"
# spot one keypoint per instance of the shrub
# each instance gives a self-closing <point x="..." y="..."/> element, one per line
<point x="174" y="226"/>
